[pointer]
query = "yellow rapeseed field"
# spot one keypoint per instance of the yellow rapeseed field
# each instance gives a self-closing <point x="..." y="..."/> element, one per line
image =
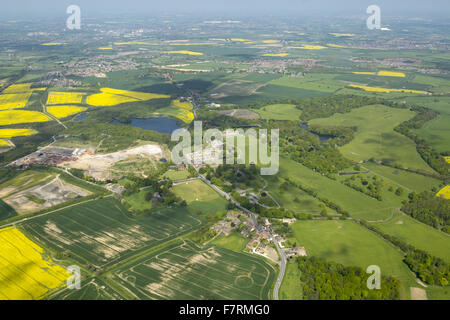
<point x="112" y="97"/>
<point x="21" y="116"/>
<point x="65" y="97"/>
<point x="239" y="40"/>
<point x="192" y="44"/>
<point x="391" y="74"/>
<point x="270" y="41"/>
<point x="342" y="34"/>
<point x="53" y="44"/>
<point x="275" y="54"/>
<point x="191" y="53"/>
<point x="386" y="90"/>
<point x="309" y="47"/>
<point x="105" y="48"/>
<point x="364" y="72"/>
<point x="10" y="133"/>
<point x="24" y="272"/>
<point x="184" y="112"/>
<point x="16" y="88"/>
<point x="447" y="159"/>
<point x="64" y="111"/>
<point x="335" y="45"/>
<point x="444" y="192"/>
<point x="4" y="143"/>
<point x="107" y="99"/>
<point x="14" y="100"/>
<point x="135" y="94"/>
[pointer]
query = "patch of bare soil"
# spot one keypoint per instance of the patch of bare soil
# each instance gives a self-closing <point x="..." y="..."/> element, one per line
<point x="418" y="294"/>
<point x="99" y="165"/>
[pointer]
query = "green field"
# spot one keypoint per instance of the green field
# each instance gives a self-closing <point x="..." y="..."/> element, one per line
<point x="235" y="241"/>
<point x="6" y="211"/>
<point x="137" y="201"/>
<point x="418" y="234"/>
<point x="102" y="232"/>
<point x="176" y="175"/>
<point x="200" y="196"/>
<point x="291" y="288"/>
<point x="375" y="137"/>
<point x="279" y="112"/>
<point x="91" y="289"/>
<point x="348" y="243"/>
<point x="407" y="180"/>
<point x="183" y="270"/>
<point x="359" y="205"/>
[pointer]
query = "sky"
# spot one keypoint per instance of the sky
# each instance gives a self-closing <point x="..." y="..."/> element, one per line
<point x="416" y="8"/>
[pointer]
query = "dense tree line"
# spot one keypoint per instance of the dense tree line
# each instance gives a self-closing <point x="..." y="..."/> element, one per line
<point x="307" y="149"/>
<point x="429" y="209"/>
<point x="370" y="185"/>
<point x="431" y="156"/>
<point x="430" y="269"/>
<point x="325" y="280"/>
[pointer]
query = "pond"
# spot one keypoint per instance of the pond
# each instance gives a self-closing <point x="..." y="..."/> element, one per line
<point x="81" y="117"/>
<point x="322" y="137"/>
<point x="159" y="124"/>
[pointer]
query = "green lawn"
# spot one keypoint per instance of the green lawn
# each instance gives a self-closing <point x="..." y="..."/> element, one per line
<point x="291" y="288"/>
<point x="356" y="203"/>
<point x="176" y="175"/>
<point x="375" y="137"/>
<point x="279" y="112"/>
<point x="235" y="241"/>
<point x="348" y="243"/>
<point x="201" y="197"/>
<point x="418" y="234"/>
<point x="137" y="201"/>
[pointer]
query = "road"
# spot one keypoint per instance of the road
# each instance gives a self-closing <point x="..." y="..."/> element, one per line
<point x="255" y="222"/>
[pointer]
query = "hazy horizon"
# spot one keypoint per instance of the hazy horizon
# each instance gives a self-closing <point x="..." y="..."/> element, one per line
<point x="406" y="8"/>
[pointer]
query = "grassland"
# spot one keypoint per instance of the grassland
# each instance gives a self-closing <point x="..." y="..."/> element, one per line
<point x="27" y="272"/>
<point x="356" y="203"/>
<point x="137" y="201"/>
<point x="375" y="137"/>
<point x="176" y="175"/>
<point x="6" y="211"/>
<point x="418" y="234"/>
<point x="101" y="232"/>
<point x="279" y="112"/>
<point x="348" y="243"/>
<point x="184" y="271"/>
<point x="235" y="241"/>
<point x="291" y="287"/>
<point x="200" y="196"/>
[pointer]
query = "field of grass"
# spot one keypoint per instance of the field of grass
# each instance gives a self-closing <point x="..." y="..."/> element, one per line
<point x="235" y="241"/>
<point x="6" y="211"/>
<point x="279" y="112"/>
<point x="311" y="81"/>
<point x="28" y="273"/>
<point x="375" y="137"/>
<point x="348" y="243"/>
<point x="356" y="203"/>
<point x="200" y="196"/>
<point x="137" y="201"/>
<point x="291" y="287"/>
<point x="176" y="175"/>
<point x="418" y="234"/>
<point x="102" y="232"/>
<point x="91" y="289"/>
<point x="407" y="180"/>
<point x="184" y="271"/>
